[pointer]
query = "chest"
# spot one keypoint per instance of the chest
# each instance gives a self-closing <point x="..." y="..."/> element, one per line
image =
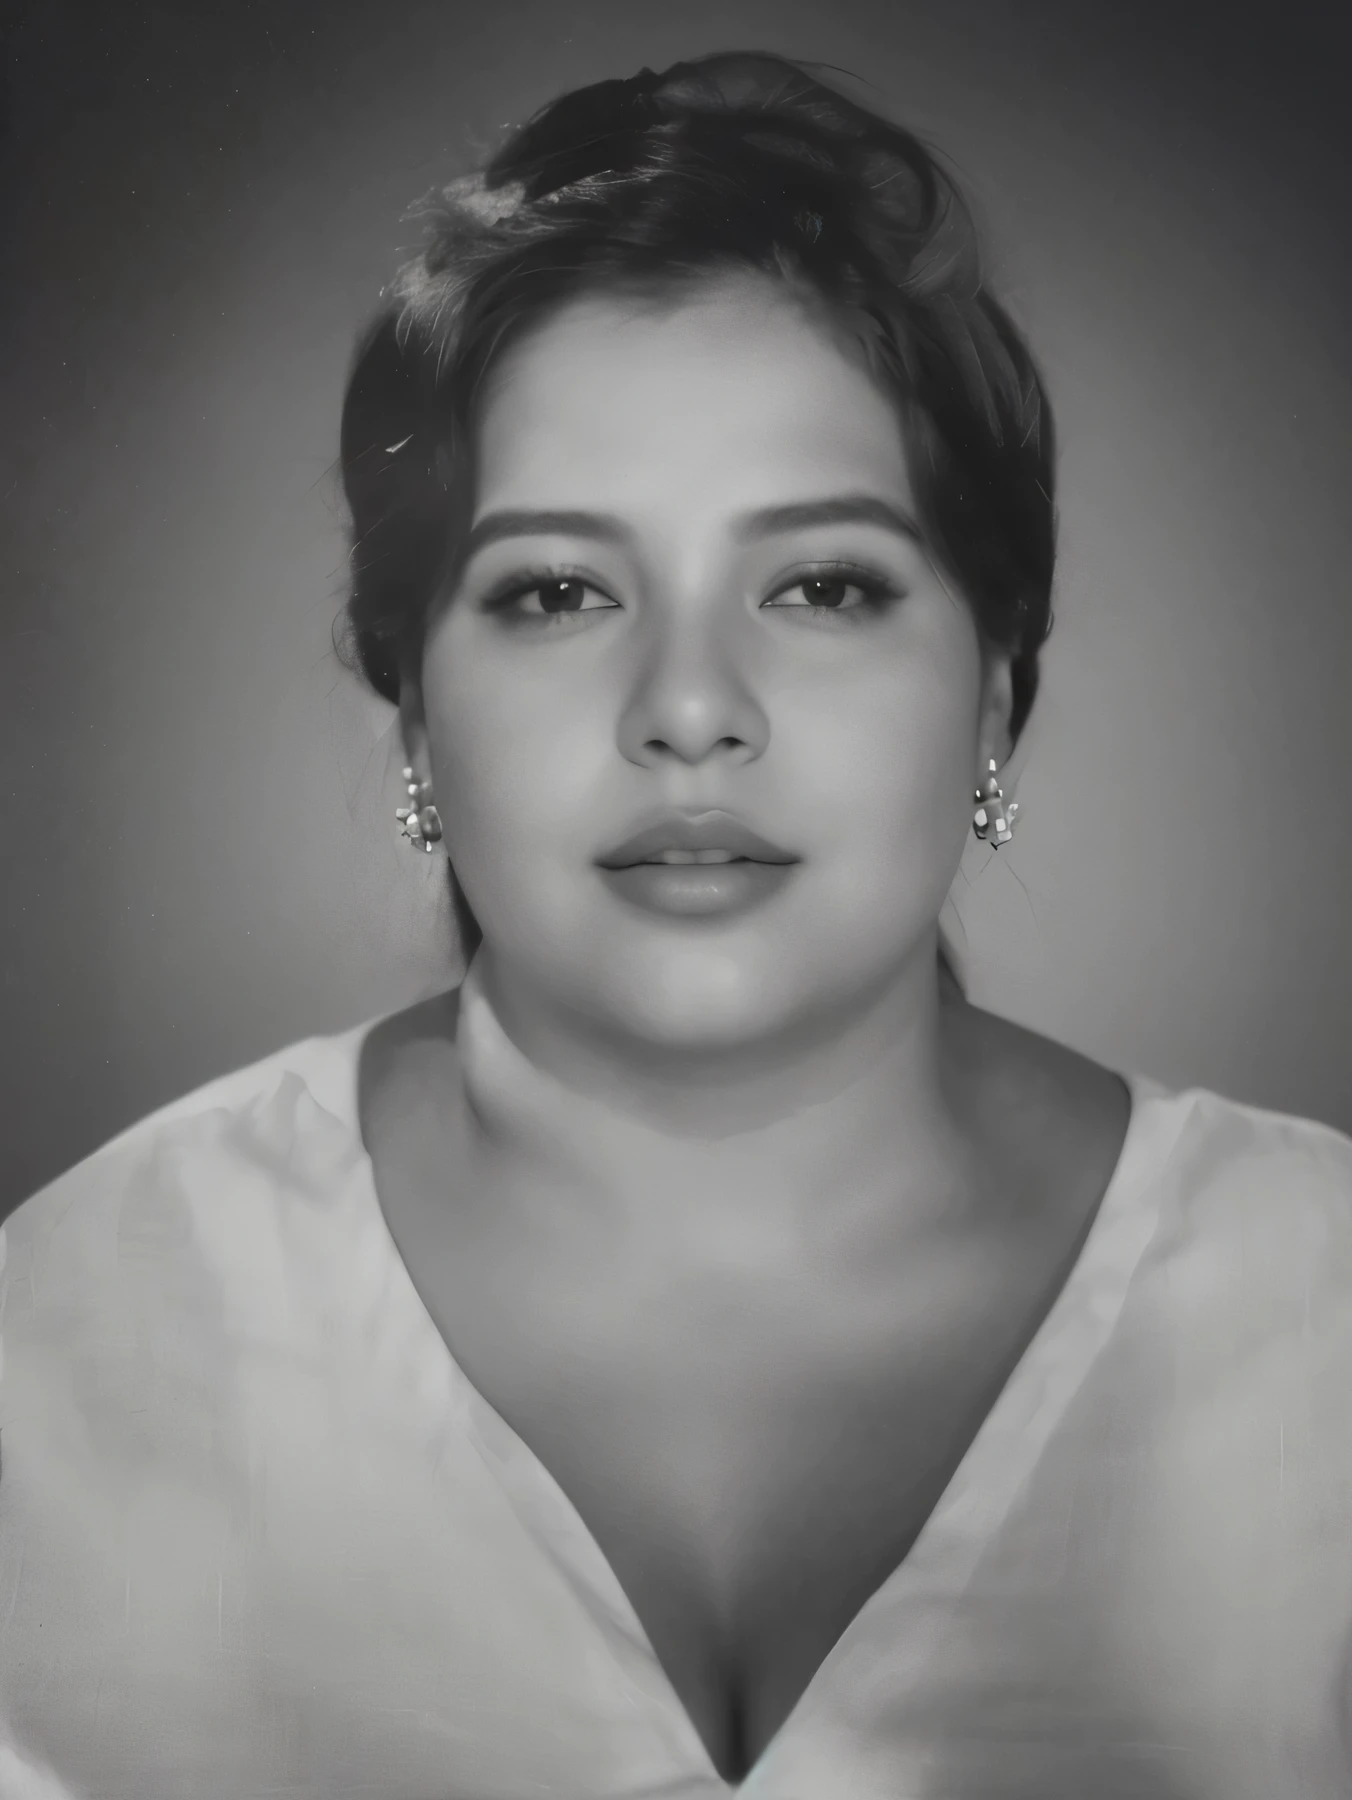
<point x="753" y="1442"/>
<point x="751" y="1466"/>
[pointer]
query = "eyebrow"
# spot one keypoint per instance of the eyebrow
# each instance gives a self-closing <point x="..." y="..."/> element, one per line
<point x="521" y="522"/>
<point x="841" y="509"/>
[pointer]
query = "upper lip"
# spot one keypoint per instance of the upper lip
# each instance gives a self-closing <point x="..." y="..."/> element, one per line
<point x="694" y="831"/>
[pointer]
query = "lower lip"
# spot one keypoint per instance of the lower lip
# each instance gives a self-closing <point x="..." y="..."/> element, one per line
<point x="694" y="890"/>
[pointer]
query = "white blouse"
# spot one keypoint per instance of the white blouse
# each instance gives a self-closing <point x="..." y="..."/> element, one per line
<point x="259" y="1535"/>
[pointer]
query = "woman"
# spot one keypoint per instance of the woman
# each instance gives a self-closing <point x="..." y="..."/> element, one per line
<point x="702" y="1351"/>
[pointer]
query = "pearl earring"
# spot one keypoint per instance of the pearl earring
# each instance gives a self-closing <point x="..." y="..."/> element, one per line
<point x="993" y="821"/>
<point x="419" y="821"/>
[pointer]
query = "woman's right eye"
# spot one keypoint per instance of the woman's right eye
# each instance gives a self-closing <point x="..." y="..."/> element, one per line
<point x="549" y="597"/>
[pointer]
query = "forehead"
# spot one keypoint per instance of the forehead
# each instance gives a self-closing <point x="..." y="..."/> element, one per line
<point x="732" y="394"/>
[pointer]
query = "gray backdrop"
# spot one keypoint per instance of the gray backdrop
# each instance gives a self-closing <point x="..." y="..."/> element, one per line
<point x="200" y="860"/>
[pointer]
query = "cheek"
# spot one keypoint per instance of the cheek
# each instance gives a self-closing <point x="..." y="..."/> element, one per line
<point x="888" y="775"/>
<point x="515" y="761"/>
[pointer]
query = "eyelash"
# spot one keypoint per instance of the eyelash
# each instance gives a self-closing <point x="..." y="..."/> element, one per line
<point x="878" y="592"/>
<point x="501" y="598"/>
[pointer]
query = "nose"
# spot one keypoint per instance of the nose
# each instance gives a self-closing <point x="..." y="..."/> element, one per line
<point x="692" y="698"/>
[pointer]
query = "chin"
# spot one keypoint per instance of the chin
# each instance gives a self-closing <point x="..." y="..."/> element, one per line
<point x="695" y="996"/>
<point x="711" y="998"/>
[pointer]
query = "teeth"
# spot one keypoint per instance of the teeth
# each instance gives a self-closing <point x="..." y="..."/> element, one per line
<point x="696" y="856"/>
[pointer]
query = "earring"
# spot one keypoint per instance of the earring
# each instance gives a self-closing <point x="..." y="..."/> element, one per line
<point x="993" y="821"/>
<point x="419" y="821"/>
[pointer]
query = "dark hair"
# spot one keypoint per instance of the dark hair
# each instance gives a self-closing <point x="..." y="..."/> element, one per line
<point x="732" y="161"/>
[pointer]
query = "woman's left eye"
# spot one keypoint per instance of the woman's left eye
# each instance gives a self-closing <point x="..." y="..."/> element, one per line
<point x="830" y="593"/>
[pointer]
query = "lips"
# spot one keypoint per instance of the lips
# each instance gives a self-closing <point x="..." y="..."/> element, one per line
<point x="708" y="831"/>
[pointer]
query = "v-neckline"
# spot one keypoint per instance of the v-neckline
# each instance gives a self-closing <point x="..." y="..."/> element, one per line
<point x="1001" y="1456"/>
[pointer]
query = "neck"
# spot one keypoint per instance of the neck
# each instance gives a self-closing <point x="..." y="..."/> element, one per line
<point x="844" y="1103"/>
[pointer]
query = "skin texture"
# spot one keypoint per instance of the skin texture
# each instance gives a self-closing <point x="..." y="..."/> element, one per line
<point x="804" y="1207"/>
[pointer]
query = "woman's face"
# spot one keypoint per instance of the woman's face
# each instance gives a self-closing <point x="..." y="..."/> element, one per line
<point x="693" y="588"/>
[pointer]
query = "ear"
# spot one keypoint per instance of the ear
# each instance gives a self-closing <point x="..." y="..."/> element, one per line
<point x="995" y="739"/>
